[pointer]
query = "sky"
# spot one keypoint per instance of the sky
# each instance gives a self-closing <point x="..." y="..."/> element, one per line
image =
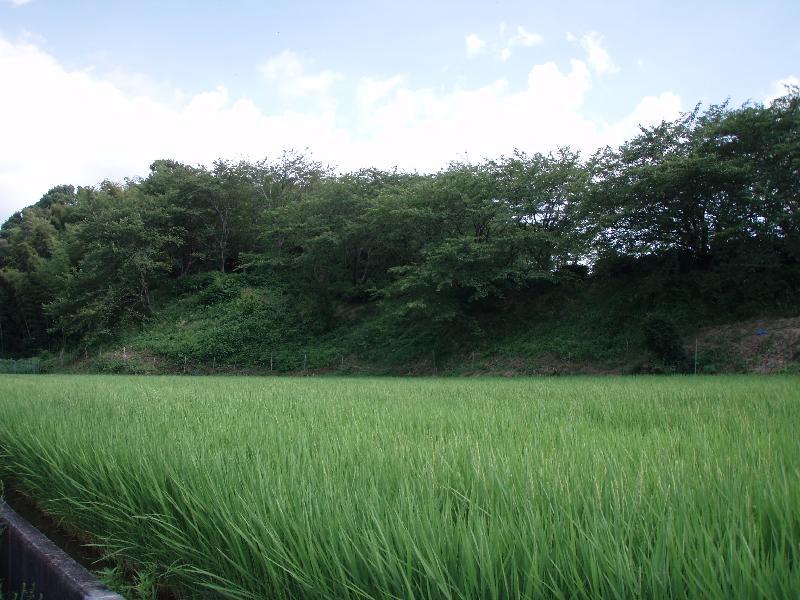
<point x="99" y="90"/>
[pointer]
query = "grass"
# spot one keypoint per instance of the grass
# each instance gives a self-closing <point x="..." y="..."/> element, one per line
<point x="426" y="488"/>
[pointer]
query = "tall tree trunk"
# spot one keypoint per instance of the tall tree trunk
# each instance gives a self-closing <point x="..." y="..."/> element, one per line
<point x="145" y="293"/>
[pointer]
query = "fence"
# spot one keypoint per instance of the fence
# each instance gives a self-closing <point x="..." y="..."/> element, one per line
<point x="27" y="365"/>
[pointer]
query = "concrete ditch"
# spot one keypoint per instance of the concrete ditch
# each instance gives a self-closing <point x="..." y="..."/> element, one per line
<point x="28" y="558"/>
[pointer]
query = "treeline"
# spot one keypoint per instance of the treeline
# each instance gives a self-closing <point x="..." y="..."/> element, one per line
<point x="712" y="197"/>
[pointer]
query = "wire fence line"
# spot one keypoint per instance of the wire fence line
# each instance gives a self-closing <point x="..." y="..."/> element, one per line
<point x="31" y="366"/>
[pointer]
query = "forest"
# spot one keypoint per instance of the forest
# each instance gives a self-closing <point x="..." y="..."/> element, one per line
<point x="291" y="264"/>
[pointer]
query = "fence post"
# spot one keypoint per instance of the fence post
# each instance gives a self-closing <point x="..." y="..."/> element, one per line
<point x="695" y="356"/>
<point x="305" y="362"/>
<point x="270" y="362"/>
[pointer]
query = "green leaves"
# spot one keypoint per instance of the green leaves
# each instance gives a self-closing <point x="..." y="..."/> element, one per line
<point x="704" y="186"/>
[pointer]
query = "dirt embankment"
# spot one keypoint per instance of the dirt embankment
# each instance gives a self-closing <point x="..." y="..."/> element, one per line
<point x="767" y="345"/>
<point x="756" y="346"/>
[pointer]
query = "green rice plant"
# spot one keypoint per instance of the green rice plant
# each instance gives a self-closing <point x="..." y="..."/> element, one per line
<point x="245" y="488"/>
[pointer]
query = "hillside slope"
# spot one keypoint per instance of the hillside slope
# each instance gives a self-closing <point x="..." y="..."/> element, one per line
<point x="236" y="324"/>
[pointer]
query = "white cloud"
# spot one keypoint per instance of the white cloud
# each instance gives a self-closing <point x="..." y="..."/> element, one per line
<point x="370" y="91"/>
<point x="779" y="87"/>
<point x="64" y="126"/>
<point x="526" y="38"/>
<point x="288" y="71"/>
<point x="424" y="128"/>
<point x="140" y="84"/>
<point x="597" y="55"/>
<point x="17" y="2"/>
<point x="71" y="126"/>
<point x="523" y="37"/>
<point x="474" y="44"/>
<point x="651" y="110"/>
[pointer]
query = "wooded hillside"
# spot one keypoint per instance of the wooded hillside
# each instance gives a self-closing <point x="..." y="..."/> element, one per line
<point x="692" y="223"/>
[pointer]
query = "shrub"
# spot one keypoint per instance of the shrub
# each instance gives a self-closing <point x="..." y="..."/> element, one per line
<point x="663" y="340"/>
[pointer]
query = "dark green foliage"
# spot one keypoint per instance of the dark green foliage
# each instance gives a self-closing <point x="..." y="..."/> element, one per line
<point x="551" y="256"/>
<point x="663" y="340"/>
<point x="227" y="319"/>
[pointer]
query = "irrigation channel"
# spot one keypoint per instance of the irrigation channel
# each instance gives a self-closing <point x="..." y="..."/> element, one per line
<point x="38" y="556"/>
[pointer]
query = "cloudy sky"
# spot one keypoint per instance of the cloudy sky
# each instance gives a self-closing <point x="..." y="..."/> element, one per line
<point x="91" y="90"/>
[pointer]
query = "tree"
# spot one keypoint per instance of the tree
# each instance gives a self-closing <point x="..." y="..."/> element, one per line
<point x="118" y="252"/>
<point x="663" y="192"/>
<point x="474" y="250"/>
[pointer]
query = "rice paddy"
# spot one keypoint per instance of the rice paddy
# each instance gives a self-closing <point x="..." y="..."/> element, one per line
<point x="245" y="488"/>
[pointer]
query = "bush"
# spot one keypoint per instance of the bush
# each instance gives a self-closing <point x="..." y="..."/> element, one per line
<point x="118" y="366"/>
<point x="663" y="340"/>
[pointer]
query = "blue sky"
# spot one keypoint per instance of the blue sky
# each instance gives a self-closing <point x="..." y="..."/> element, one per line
<point x="94" y="90"/>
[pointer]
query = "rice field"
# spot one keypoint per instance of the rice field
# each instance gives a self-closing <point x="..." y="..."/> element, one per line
<point x="248" y="488"/>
